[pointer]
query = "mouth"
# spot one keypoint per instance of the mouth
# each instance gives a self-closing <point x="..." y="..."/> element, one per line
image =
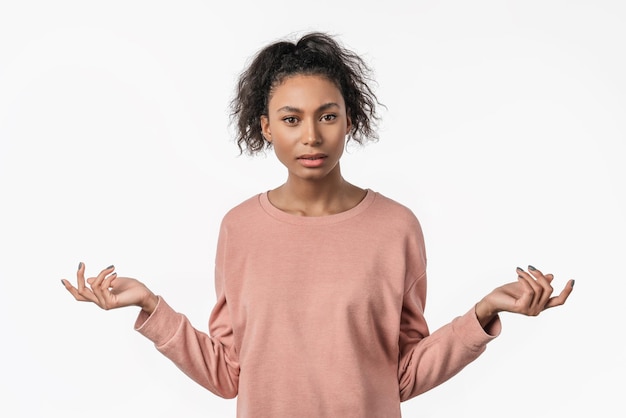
<point x="312" y="157"/>
<point x="312" y="161"/>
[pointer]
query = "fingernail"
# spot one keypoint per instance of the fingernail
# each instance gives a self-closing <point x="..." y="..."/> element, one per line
<point x="80" y="265"/>
<point x="531" y="268"/>
<point x="520" y="269"/>
<point x="62" y="282"/>
<point x="110" y="267"/>
<point x="573" y="281"/>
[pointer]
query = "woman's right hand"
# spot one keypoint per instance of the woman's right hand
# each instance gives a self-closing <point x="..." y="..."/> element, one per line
<point x="109" y="291"/>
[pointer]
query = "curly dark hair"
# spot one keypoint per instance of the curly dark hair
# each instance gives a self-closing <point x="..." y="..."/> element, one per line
<point x="315" y="53"/>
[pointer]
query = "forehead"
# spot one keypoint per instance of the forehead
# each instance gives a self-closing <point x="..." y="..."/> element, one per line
<point x="304" y="91"/>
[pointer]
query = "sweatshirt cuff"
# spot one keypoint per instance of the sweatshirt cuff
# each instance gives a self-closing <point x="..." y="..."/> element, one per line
<point x="472" y="333"/>
<point x="159" y="326"/>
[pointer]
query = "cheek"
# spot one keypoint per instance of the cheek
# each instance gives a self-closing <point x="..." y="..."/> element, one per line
<point x="341" y="139"/>
<point x="341" y="146"/>
<point x="285" y="135"/>
<point x="283" y="146"/>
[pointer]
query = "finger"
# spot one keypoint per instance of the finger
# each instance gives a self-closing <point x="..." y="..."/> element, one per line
<point x="525" y="299"/>
<point x="537" y="275"/>
<point x="102" y="275"/>
<point x="74" y="292"/>
<point x="106" y="293"/>
<point x="82" y="293"/>
<point x="106" y="283"/>
<point x="535" y="288"/>
<point x="70" y="289"/>
<point x="96" y="285"/>
<point x="562" y="297"/>
<point x="547" y="289"/>
<point x="80" y="276"/>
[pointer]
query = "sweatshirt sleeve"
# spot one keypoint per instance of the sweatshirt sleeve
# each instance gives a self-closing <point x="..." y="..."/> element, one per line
<point x="429" y="360"/>
<point x="210" y="359"/>
<point x="204" y="359"/>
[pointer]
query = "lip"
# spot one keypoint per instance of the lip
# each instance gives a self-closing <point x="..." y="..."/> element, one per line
<point x="311" y="156"/>
<point x="312" y="160"/>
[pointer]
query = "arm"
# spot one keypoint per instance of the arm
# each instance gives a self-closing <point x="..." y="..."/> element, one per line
<point x="203" y="358"/>
<point x="426" y="360"/>
<point x="429" y="360"/>
<point x="209" y="360"/>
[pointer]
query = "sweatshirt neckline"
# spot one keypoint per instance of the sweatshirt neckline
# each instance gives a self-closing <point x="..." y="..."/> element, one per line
<point x="282" y="216"/>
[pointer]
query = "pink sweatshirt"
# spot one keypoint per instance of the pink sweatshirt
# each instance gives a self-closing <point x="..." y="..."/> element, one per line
<point x="318" y="316"/>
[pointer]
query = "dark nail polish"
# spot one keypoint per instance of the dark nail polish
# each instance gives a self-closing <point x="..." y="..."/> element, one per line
<point x="62" y="282"/>
<point x="110" y="267"/>
<point x="531" y="268"/>
<point x="80" y="265"/>
<point x="573" y="281"/>
<point x="520" y="269"/>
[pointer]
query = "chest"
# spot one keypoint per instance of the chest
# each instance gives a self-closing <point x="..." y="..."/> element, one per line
<point x="317" y="277"/>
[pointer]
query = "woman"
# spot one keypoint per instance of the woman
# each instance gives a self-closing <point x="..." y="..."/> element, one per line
<point x="320" y="284"/>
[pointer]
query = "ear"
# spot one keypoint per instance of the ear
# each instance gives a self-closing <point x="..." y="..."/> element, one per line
<point x="348" y="124"/>
<point x="265" y="128"/>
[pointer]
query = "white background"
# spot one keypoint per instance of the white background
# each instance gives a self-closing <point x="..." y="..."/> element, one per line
<point x="504" y="132"/>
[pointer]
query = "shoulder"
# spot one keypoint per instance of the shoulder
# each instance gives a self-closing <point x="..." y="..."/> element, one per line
<point x="244" y="212"/>
<point x="399" y="224"/>
<point x="393" y="211"/>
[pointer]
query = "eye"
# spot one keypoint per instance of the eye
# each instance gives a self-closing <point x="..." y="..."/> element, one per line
<point x="329" y="117"/>
<point x="290" y="120"/>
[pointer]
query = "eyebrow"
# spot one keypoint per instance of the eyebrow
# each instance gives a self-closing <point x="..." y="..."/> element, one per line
<point x="292" y="109"/>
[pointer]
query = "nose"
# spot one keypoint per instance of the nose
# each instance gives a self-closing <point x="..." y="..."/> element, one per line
<point x="311" y="134"/>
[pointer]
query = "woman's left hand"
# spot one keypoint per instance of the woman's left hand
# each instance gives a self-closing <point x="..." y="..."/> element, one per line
<point x="530" y="295"/>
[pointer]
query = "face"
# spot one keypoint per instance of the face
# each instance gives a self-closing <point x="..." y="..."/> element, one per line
<point x="307" y="124"/>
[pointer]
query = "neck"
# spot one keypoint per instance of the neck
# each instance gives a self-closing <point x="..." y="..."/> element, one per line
<point x="327" y="196"/>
